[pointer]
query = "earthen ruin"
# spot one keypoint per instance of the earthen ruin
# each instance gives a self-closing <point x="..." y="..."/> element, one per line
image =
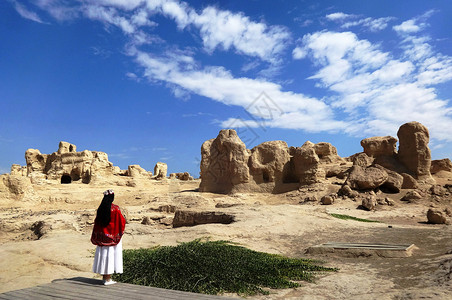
<point x="67" y="166"/>
<point x="227" y="166"/>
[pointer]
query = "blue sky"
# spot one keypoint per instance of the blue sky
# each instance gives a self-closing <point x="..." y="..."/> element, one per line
<point x="151" y="80"/>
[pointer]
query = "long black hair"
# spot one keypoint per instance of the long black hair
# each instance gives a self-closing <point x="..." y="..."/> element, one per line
<point x="103" y="216"/>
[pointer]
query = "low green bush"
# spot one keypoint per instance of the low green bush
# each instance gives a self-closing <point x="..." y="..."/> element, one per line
<point x="347" y="217"/>
<point x="213" y="267"/>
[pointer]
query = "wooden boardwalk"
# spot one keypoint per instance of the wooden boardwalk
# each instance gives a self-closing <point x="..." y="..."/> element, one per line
<point x="90" y="289"/>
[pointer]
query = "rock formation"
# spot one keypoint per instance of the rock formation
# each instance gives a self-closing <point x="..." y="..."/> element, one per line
<point x="160" y="170"/>
<point x="18" y="185"/>
<point x="193" y="218"/>
<point x="18" y="170"/>
<point x="227" y="166"/>
<point x="366" y="178"/>
<point x="306" y="164"/>
<point x="181" y="176"/>
<point x="269" y="162"/>
<point x="441" y="165"/>
<point x="137" y="171"/>
<point x="379" y="146"/>
<point x="65" y="165"/>
<point x="414" y="152"/>
<point x="36" y="162"/>
<point x="224" y="163"/>
<point x="436" y="216"/>
<point x="369" y="202"/>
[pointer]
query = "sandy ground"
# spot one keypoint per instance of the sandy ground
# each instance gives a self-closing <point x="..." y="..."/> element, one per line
<point x="264" y="222"/>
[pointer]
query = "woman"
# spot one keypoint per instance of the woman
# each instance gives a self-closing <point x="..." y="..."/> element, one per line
<point x="107" y="232"/>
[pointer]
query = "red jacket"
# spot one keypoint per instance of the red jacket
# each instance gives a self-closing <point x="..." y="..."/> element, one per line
<point x="112" y="233"/>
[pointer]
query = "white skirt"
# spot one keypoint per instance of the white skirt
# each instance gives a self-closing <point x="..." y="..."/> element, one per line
<point x="108" y="259"/>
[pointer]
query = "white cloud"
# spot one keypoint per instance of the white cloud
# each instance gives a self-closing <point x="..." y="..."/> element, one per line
<point x="378" y="91"/>
<point x="218" y="29"/>
<point x="338" y="16"/>
<point x="250" y="66"/>
<point x="61" y="10"/>
<point x="125" y="4"/>
<point x="299" y="53"/>
<point x="414" y="25"/>
<point x="141" y="18"/>
<point x="435" y="69"/>
<point x="338" y="52"/>
<point x="104" y="53"/>
<point x="280" y="109"/>
<point x="374" y="25"/>
<point x="109" y="16"/>
<point x="409" y="26"/>
<point x="133" y="76"/>
<point x="225" y="29"/>
<point x="179" y="11"/>
<point x="26" y="13"/>
<point x="374" y="92"/>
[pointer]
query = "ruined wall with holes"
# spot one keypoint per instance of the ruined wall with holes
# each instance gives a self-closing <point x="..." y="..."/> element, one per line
<point x="67" y="164"/>
<point x="228" y="166"/>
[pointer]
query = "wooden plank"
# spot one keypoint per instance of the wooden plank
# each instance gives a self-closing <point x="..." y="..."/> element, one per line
<point x="91" y="289"/>
<point x="369" y="246"/>
<point x="8" y="297"/>
<point x="64" y="292"/>
<point x="144" y="290"/>
<point x="27" y="294"/>
<point x="39" y="293"/>
<point x="96" y="290"/>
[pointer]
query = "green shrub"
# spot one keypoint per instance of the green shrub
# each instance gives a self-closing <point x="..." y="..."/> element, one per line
<point x="347" y="217"/>
<point x="214" y="267"/>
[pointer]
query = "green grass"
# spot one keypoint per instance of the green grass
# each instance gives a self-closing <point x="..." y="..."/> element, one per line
<point x="213" y="267"/>
<point x="347" y="217"/>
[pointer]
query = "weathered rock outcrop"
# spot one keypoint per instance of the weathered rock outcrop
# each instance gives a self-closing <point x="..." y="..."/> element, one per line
<point x="36" y="162"/>
<point x="366" y="178"/>
<point x="18" y="185"/>
<point x="137" y="171"/>
<point x="327" y="153"/>
<point x="193" y="218"/>
<point x="18" y="170"/>
<point x="436" y="216"/>
<point x="379" y="146"/>
<point x="328" y="199"/>
<point x="73" y="166"/>
<point x="347" y="191"/>
<point x="269" y="162"/>
<point x="412" y="196"/>
<point x="362" y="160"/>
<point x="224" y="163"/>
<point x="65" y="147"/>
<point x="369" y="202"/>
<point x="409" y="182"/>
<point x="66" y="165"/>
<point x="414" y="152"/>
<point x="307" y="164"/>
<point x="160" y="170"/>
<point x="394" y="182"/>
<point x="181" y="176"/>
<point x="441" y="165"/>
<point x="227" y="166"/>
